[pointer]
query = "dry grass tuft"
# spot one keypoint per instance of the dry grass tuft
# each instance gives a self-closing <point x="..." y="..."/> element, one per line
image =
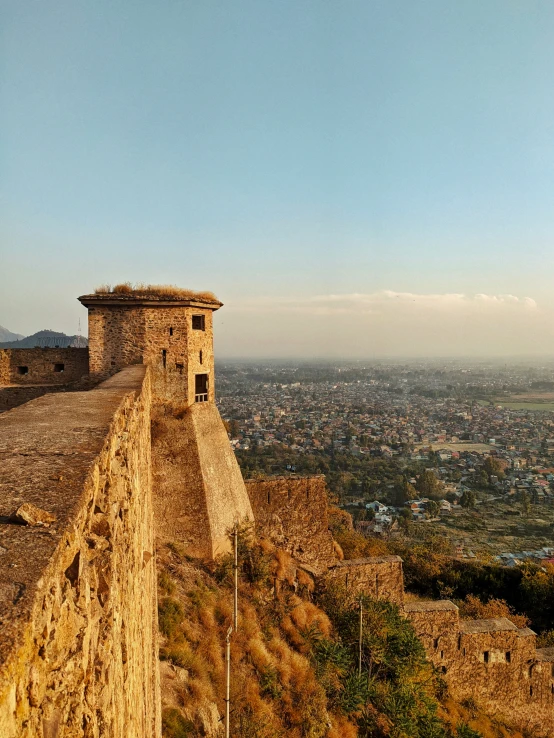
<point x="168" y="291"/>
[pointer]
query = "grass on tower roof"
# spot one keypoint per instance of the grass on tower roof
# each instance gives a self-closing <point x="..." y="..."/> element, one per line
<point x="168" y="291"/>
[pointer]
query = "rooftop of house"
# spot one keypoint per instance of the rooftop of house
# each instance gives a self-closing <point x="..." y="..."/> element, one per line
<point x="545" y="654"/>
<point x="430" y="606"/>
<point x="487" y="626"/>
<point x="150" y="293"/>
<point x="370" y="560"/>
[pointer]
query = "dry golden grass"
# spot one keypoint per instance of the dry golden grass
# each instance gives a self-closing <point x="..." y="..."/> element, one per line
<point x="168" y="291"/>
<point x="275" y="692"/>
<point x="454" y="713"/>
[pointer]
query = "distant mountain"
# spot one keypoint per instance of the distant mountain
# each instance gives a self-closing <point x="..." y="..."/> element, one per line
<point x="6" y="335"/>
<point x="46" y="339"/>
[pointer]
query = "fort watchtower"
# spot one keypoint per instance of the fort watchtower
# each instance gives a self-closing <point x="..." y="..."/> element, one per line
<point x="168" y="328"/>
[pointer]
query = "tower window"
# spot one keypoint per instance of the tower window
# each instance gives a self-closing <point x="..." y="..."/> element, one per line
<point x="179" y="367"/>
<point x="171" y="331"/>
<point x="201" y="388"/>
<point x="200" y="357"/>
<point x="164" y="358"/>
<point x="508" y="657"/>
<point x="199" y="322"/>
<point x="23" y="370"/>
<point x="486" y="657"/>
<point x="59" y="367"/>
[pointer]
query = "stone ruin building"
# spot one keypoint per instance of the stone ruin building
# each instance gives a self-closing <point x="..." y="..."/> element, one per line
<point x="86" y="494"/>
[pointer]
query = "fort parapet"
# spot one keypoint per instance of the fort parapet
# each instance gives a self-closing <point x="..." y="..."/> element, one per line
<point x="29" y="373"/>
<point x="78" y="624"/>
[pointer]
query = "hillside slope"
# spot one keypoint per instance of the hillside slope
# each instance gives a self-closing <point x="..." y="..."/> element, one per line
<point x="294" y="659"/>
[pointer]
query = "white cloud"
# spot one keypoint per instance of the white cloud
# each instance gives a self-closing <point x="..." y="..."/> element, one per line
<point x="388" y="323"/>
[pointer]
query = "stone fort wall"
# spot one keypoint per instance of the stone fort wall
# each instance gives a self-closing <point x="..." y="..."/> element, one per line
<point x="199" y="490"/>
<point x="42" y="365"/>
<point x="491" y="661"/>
<point x="26" y="374"/>
<point x="78" y="622"/>
<point x="292" y="513"/>
<point x="379" y="577"/>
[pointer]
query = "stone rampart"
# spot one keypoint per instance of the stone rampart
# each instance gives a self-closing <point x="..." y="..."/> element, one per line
<point x="26" y="374"/>
<point x="437" y="624"/>
<point x="42" y="365"/>
<point x="490" y="661"/>
<point x="292" y="513"/>
<point x="379" y="577"/>
<point x="199" y="490"/>
<point x="78" y="625"/>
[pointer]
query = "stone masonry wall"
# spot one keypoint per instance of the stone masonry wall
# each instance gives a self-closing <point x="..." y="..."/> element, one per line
<point x="379" y="577"/>
<point x="199" y="490"/>
<point x="292" y="513"/>
<point x="4" y="367"/>
<point x="123" y="335"/>
<point x="42" y="365"/>
<point x="490" y="661"/>
<point x="78" y="626"/>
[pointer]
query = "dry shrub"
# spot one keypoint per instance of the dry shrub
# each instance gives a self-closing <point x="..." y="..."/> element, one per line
<point x="200" y="690"/>
<point x="338" y="550"/>
<point x="125" y="288"/>
<point x="169" y="291"/>
<point x="343" y="728"/>
<point x="286" y="568"/>
<point x="207" y="618"/>
<point x="473" y="609"/>
<point x="307" y="616"/>
<point x="260" y="656"/>
<point x="305" y="580"/>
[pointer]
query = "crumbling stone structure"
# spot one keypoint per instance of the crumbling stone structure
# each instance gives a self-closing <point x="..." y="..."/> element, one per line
<point x="78" y="623"/>
<point x="292" y="513"/>
<point x="491" y="661"/>
<point x="379" y="577"/>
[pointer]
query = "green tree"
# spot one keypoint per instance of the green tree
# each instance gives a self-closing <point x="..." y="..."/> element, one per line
<point x="428" y="485"/>
<point x="526" y="503"/>
<point x="493" y="467"/>
<point x="468" y="499"/>
<point x="432" y="508"/>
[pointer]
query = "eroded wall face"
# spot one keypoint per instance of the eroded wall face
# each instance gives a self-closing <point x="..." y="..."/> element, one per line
<point x="379" y="577"/>
<point x="492" y="662"/>
<point x="42" y="365"/>
<point x="292" y="513"/>
<point x="78" y="643"/>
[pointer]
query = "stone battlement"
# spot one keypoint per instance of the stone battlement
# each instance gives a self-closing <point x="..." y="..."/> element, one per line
<point x="78" y="621"/>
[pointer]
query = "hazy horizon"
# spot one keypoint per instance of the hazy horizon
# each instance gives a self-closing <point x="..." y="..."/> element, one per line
<point x="352" y="179"/>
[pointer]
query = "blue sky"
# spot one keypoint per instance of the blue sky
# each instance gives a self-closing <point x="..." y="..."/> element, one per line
<point x="334" y="170"/>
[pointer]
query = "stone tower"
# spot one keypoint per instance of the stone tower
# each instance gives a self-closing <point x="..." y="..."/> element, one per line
<point x="173" y="334"/>
<point x="199" y="493"/>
